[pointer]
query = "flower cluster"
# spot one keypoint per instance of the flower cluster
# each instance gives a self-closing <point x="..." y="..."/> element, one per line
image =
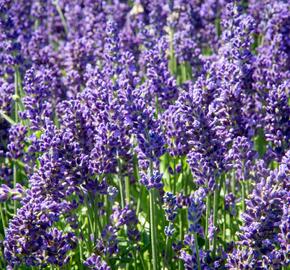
<point x="144" y="134"/>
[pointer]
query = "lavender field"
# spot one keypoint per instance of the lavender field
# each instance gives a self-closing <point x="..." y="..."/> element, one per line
<point x="144" y="134"/>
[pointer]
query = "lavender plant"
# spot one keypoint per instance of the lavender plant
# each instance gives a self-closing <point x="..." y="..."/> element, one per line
<point x="144" y="134"/>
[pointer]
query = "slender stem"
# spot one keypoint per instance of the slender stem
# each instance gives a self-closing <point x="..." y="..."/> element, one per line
<point x="121" y="182"/>
<point x="224" y="212"/>
<point x="81" y="258"/>
<point x="215" y="213"/>
<point x="166" y="249"/>
<point x="121" y="191"/>
<point x="181" y="224"/>
<point x="207" y="214"/>
<point x="89" y="233"/>
<point x="142" y="260"/>
<point x="172" y="61"/>
<point x="107" y="205"/>
<point x="96" y="217"/>
<point x="135" y="258"/>
<point x="99" y="225"/>
<point x="153" y="228"/>
<point x="231" y="226"/>
<point x="153" y="225"/>
<point x="187" y="180"/>
<point x="183" y="73"/>
<point x="180" y="263"/>
<point x="2" y="217"/>
<point x="175" y="178"/>
<point x="127" y="189"/>
<point x="90" y="220"/>
<point x="243" y="196"/>
<point x="197" y="251"/>
<point x="139" y="201"/>
<point x="248" y="187"/>
<point x="62" y="18"/>
<point x="182" y="211"/>
<point x="233" y="183"/>
<point x="16" y="119"/>
<point x="16" y="94"/>
<point x="14" y="184"/>
<point x="7" y="118"/>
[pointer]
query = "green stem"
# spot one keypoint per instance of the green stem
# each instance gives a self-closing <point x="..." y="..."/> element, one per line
<point x="17" y="83"/>
<point x="62" y="18"/>
<point x="2" y="217"/>
<point x="16" y="95"/>
<point x="183" y="73"/>
<point x="142" y="260"/>
<point x="231" y="227"/>
<point x="121" y="191"/>
<point x="91" y="224"/>
<point x="7" y="118"/>
<point x="197" y="251"/>
<point x="233" y="184"/>
<point x="81" y="258"/>
<point x="207" y="214"/>
<point x="166" y="250"/>
<point x="243" y="196"/>
<point x="182" y="212"/>
<point x="14" y="184"/>
<point x="175" y="175"/>
<point x="172" y="62"/>
<point x="224" y="212"/>
<point x="135" y="258"/>
<point x="127" y="188"/>
<point x="215" y="213"/>
<point x="153" y="228"/>
<point x="138" y="208"/>
<point x="121" y="182"/>
<point x="108" y="207"/>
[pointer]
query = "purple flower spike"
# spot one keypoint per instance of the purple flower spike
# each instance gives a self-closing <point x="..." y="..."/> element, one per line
<point x="155" y="181"/>
<point x="95" y="262"/>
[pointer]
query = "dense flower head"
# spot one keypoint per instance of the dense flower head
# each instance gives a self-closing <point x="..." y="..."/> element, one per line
<point x="170" y="206"/>
<point x="194" y="31"/>
<point x="120" y="217"/>
<point x="17" y="135"/>
<point x="30" y="238"/>
<point x="108" y="244"/>
<point x="262" y="218"/>
<point x="240" y="158"/>
<point x="230" y="204"/>
<point x="195" y="211"/>
<point x="148" y="132"/>
<point x="41" y="86"/>
<point x="152" y="181"/>
<point x="277" y="121"/>
<point x="160" y="87"/>
<point x="126" y="216"/>
<point x="284" y="232"/>
<point x="7" y="193"/>
<point x="7" y="92"/>
<point x="234" y="75"/>
<point x="96" y="263"/>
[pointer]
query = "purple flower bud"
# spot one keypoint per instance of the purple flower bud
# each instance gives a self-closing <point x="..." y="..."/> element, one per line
<point x="95" y="262"/>
<point x="4" y="193"/>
